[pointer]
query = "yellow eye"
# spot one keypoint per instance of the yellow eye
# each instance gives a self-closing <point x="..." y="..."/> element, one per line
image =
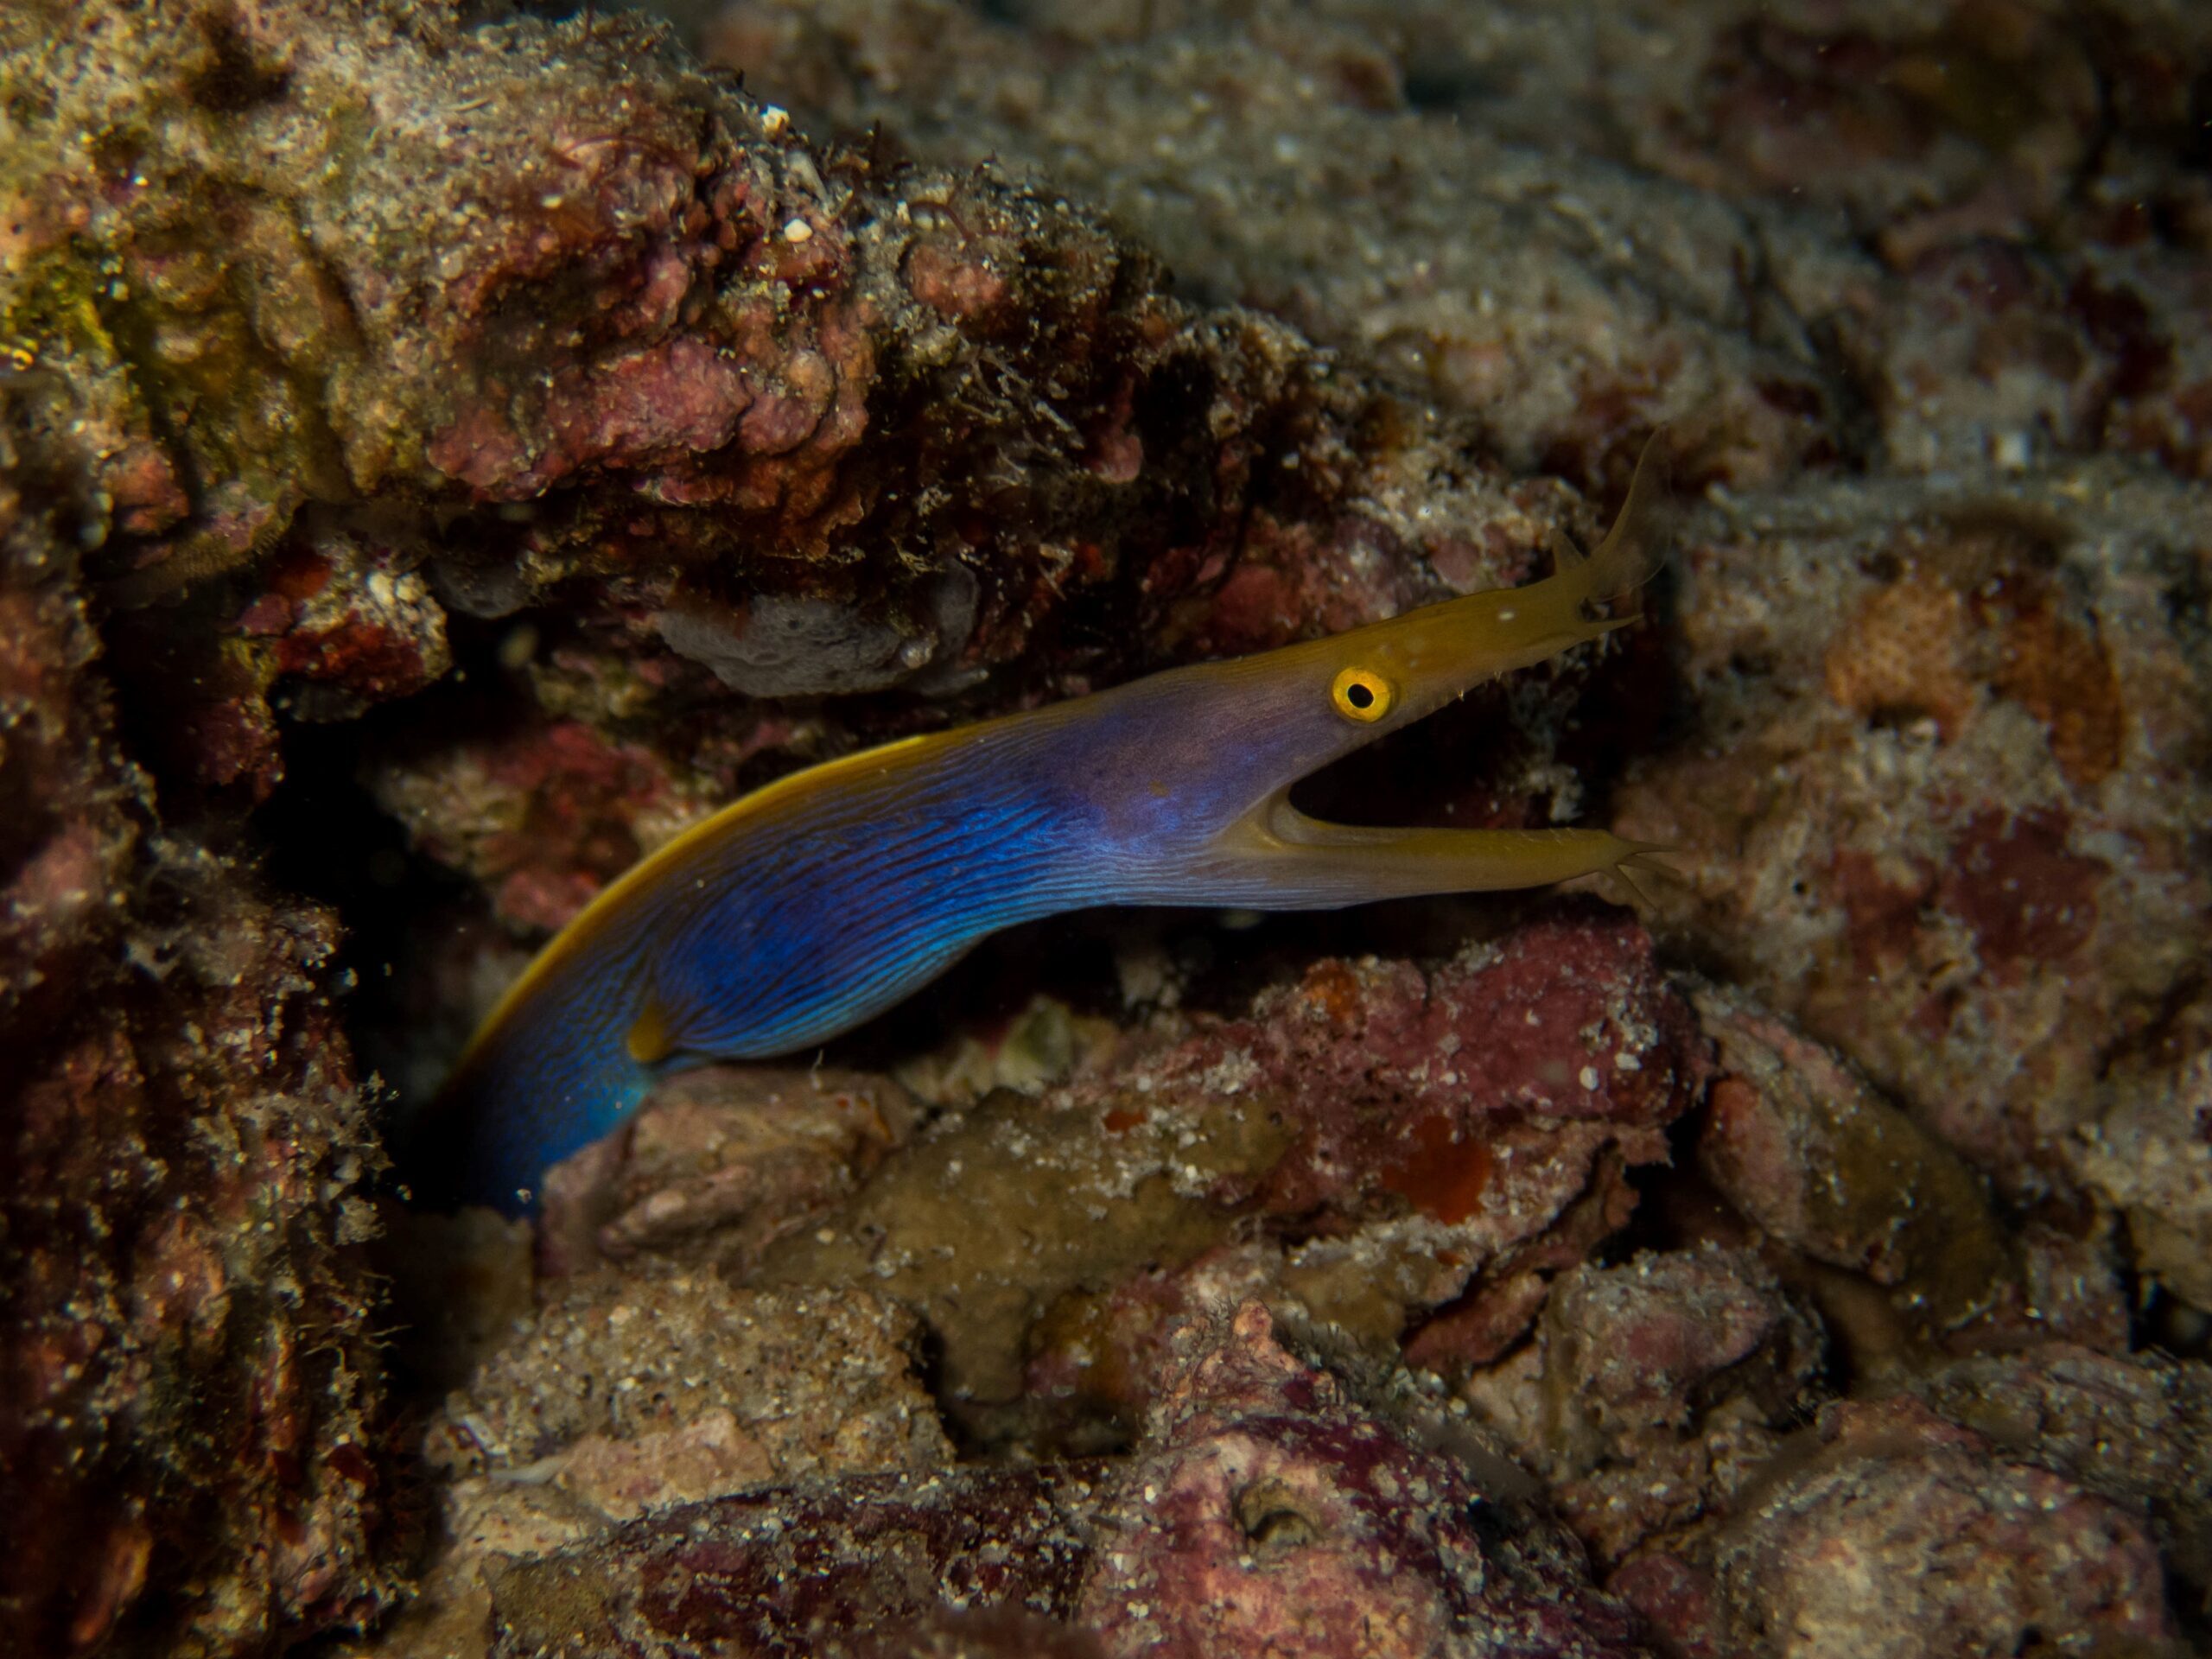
<point x="1362" y="695"/>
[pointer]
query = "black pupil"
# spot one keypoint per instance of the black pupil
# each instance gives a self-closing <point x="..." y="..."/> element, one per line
<point x="1360" y="697"/>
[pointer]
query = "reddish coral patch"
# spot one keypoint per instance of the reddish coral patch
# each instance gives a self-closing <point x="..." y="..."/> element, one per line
<point x="298" y="575"/>
<point x="1331" y="991"/>
<point x="2059" y="672"/>
<point x="954" y="284"/>
<point x="2026" y="898"/>
<point x="1440" y="1175"/>
<point x="1882" y="915"/>
<point x="372" y="660"/>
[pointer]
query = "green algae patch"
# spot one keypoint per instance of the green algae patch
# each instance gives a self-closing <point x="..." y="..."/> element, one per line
<point x="1803" y="1145"/>
<point x="986" y="1224"/>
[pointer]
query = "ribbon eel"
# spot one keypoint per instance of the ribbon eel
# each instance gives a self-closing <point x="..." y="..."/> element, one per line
<point x="823" y="899"/>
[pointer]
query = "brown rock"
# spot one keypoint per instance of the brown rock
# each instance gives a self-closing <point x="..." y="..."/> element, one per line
<point x="629" y="1401"/>
<point x="1979" y="903"/>
<point x="841" y="1568"/>
<point x="1654" y="1391"/>
<point x="187" y="1376"/>
<point x="1267" y="1513"/>
<point x="735" y="1157"/>
<point x="1976" y="1554"/>
<point x="1381" y="1132"/>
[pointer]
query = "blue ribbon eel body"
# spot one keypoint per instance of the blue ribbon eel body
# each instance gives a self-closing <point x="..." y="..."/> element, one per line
<point x="825" y="898"/>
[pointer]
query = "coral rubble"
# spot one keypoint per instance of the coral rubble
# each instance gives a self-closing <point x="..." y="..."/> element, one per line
<point x="446" y="451"/>
<point x="190" y="1381"/>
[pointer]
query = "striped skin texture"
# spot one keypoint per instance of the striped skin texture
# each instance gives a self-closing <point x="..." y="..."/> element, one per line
<point x="810" y="905"/>
<point x="765" y="942"/>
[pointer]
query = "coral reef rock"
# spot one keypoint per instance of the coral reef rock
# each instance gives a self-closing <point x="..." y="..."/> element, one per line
<point x="1947" y="739"/>
<point x="190" y="1453"/>
<point x="1372" y="1143"/>
<point x="1265" y="1510"/>
<point x="447" y="450"/>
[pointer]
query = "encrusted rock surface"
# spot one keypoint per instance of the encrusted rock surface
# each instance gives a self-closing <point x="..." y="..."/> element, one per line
<point x="1977" y="1552"/>
<point x="1929" y="239"/>
<point x="1656" y="1390"/>
<point x="626" y="1398"/>
<point x="1943" y="736"/>
<point x="729" y="1159"/>
<point x="827" y="1569"/>
<point x="445" y="452"/>
<point x="1806" y="1151"/>
<point x="1266" y="1511"/>
<point x="190" y="1381"/>
<point x="1371" y="1144"/>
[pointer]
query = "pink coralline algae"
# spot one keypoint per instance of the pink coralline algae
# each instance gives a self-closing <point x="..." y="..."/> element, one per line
<point x="1980" y="1551"/>
<point x="1411" y="1152"/>
<point x="1666" y="1384"/>
<point x="188" y="1381"/>
<point x="1389" y="1080"/>
<point x="830" y="1568"/>
<point x="446" y="452"/>
<point x="1267" y="1513"/>
<point x="346" y="629"/>
<point x="542" y="818"/>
